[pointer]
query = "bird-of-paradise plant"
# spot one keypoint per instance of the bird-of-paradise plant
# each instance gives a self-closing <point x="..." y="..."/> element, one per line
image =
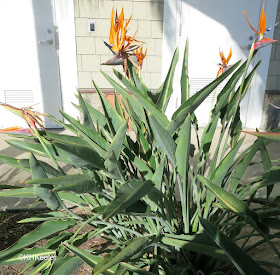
<point x="262" y="41"/>
<point x="224" y="65"/>
<point x="165" y="206"/>
<point x="123" y="46"/>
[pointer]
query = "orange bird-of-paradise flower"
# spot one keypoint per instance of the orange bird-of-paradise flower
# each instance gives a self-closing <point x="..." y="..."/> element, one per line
<point x="262" y="41"/>
<point x="31" y="117"/>
<point x="123" y="47"/>
<point x="16" y="130"/>
<point x="224" y="65"/>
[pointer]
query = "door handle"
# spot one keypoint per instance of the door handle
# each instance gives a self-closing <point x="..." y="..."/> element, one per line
<point x="49" y="41"/>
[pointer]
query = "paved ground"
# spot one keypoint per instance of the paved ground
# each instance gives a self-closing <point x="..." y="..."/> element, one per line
<point x="12" y="176"/>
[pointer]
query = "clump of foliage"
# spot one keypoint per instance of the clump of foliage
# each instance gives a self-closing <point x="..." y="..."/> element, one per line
<point x="126" y="183"/>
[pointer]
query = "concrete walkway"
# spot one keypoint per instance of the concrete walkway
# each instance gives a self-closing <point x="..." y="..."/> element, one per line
<point x="12" y="176"/>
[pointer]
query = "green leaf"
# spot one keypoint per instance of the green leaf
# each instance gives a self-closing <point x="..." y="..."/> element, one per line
<point x="220" y="172"/>
<point x="113" y="118"/>
<point x="136" y="269"/>
<point x="59" y="154"/>
<point x="144" y="102"/>
<point x="86" y="116"/>
<point x="196" y="243"/>
<point x="26" y="192"/>
<point x="228" y="200"/>
<point x="91" y="260"/>
<point x="242" y="261"/>
<point x="163" y="139"/>
<point x="118" y="141"/>
<point x="98" y="143"/>
<point x="185" y="83"/>
<point x="227" y="89"/>
<point x="193" y="102"/>
<point x="128" y="194"/>
<point x="45" y="217"/>
<point x="134" y="247"/>
<point x="77" y="151"/>
<point x="13" y="162"/>
<point x="66" y="266"/>
<point x="139" y="84"/>
<point x="274" y="136"/>
<point x="76" y="183"/>
<point x="43" y="191"/>
<point x="183" y="148"/>
<point x="242" y="166"/>
<point x="167" y="89"/>
<point x="48" y="169"/>
<point x="43" y="231"/>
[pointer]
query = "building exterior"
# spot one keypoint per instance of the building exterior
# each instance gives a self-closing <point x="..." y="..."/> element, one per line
<point x="163" y="25"/>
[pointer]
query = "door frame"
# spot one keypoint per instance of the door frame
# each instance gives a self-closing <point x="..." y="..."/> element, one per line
<point x="65" y="20"/>
<point x="171" y="39"/>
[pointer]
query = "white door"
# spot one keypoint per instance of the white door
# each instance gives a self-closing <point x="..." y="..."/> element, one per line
<point x="214" y="25"/>
<point x="29" y="68"/>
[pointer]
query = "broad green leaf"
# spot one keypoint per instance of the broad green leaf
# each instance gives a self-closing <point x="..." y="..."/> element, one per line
<point x="118" y="141"/>
<point x="44" y="217"/>
<point x="48" y="169"/>
<point x="158" y="175"/>
<point x="183" y="148"/>
<point x="96" y="116"/>
<point x="227" y="89"/>
<point x="220" y="172"/>
<point x="76" y="183"/>
<point x="185" y="82"/>
<point x="274" y="136"/>
<point x="86" y="116"/>
<point x="193" y="102"/>
<point x="124" y="255"/>
<point x="139" y="84"/>
<point x="138" y="109"/>
<point x="43" y="231"/>
<point x="242" y="261"/>
<point x="128" y="194"/>
<point x="242" y="166"/>
<point x="13" y="162"/>
<point x="163" y="139"/>
<point x="77" y="151"/>
<point x="136" y="269"/>
<point x="139" y="164"/>
<point x="195" y="243"/>
<point x="91" y="260"/>
<point x="26" y="192"/>
<point x="113" y="119"/>
<point x="167" y="89"/>
<point x="148" y="105"/>
<point x="118" y="106"/>
<point x="43" y="191"/>
<point x="228" y="200"/>
<point x="59" y="154"/>
<point x="98" y="143"/>
<point x="271" y="177"/>
<point x="228" y="111"/>
<point x="66" y="266"/>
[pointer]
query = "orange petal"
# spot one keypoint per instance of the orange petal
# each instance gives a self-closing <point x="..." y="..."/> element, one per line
<point x="222" y="57"/>
<point x="250" y="24"/>
<point x="262" y="22"/>
<point x="229" y="56"/>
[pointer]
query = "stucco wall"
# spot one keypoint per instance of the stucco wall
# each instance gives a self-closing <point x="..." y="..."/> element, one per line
<point x="91" y="51"/>
<point x="273" y="80"/>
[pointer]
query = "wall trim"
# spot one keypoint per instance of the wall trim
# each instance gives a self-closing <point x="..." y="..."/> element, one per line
<point x="65" y="20"/>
